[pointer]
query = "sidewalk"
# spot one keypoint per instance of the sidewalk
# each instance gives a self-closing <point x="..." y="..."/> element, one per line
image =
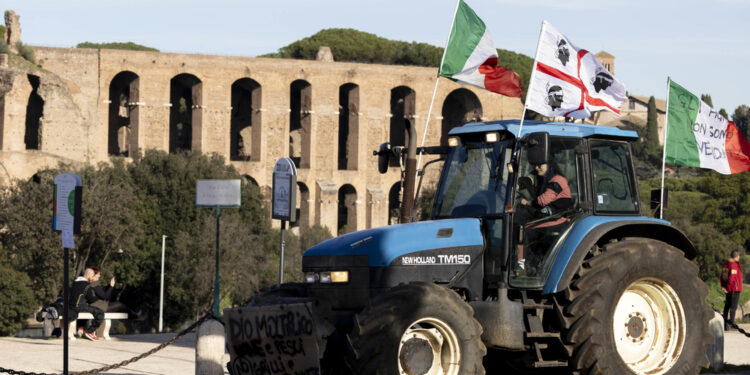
<point x="41" y="355"/>
<point x="46" y="356"/>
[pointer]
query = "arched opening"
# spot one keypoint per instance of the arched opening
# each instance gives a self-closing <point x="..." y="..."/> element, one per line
<point x="248" y="179"/>
<point x="460" y="107"/>
<point x="348" y="126"/>
<point x="394" y="203"/>
<point x="245" y="129"/>
<point x="300" y="119"/>
<point x="303" y="206"/>
<point x="34" y="111"/>
<point x="123" y="114"/>
<point x="185" y="96"/>
<point x="347" y="218"/>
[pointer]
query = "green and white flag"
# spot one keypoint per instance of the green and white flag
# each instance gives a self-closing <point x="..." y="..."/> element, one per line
<point x="471" y="57"/>
<point x="698" y="136"/>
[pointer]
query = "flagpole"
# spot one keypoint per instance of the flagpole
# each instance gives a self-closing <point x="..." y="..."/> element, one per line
<point x="664" y="153"/>
<point x="533" y="74"/>
<point x="434" y="90"/>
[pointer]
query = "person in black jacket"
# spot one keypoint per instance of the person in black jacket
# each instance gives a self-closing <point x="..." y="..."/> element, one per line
<point x="83" y="295"/>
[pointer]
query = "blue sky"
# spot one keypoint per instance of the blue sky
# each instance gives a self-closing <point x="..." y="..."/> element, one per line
<point x="703" y="45"/>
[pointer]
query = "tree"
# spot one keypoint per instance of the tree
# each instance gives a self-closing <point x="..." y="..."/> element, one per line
<point x="652" y="131"/>
<point x="706" y="98"/>
<point x="16" y="296"/>
<point x="741" y="118"/>
<point x="723" y="113"/>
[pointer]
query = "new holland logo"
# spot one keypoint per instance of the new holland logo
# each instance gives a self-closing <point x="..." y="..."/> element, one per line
<point x="436" y="259"/>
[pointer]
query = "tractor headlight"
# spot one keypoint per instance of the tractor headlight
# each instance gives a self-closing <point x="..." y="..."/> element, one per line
<point x="453" y="141"/>
<point x="327" y="277"/>
<point x="340" y="276"/>
<point x="311" y="277"/>
<point x="492" y="137"/>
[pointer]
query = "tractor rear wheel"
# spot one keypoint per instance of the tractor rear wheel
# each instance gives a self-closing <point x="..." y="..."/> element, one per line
<point x="637" y="307"/>
<point x="416" y="328"/>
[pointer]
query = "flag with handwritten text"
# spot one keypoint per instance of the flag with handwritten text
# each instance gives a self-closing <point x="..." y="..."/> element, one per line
<point x="698" y="136"/>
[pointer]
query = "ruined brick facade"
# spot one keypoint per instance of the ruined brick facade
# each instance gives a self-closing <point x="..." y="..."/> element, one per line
<point x="87" y="104"/>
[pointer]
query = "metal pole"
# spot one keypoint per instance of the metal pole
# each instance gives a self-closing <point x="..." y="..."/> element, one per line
<point x="66" y="297"/>
<point x="664" y="152"/>
<point x="216" y="281"/>
<point x="161" y="292"/>
<point x="281" y="254"/>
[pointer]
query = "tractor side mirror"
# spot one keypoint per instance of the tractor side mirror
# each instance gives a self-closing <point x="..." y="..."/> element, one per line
<point x="384" y="154"/>
<point x="537" y="147"/>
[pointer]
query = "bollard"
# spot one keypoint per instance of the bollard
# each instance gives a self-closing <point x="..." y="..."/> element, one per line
<point x="209" y="348"/>
<point x="716" y="350"/>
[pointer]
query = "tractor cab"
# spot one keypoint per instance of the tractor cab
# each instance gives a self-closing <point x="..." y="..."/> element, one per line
<point x="529" y="192"/>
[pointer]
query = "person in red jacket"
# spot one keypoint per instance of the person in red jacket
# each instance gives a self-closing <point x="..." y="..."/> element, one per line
<point x="731" y="284"/>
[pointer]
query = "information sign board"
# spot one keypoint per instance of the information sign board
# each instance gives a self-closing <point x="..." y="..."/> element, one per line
<point x="284" y="200"/>
<point x="218" y="193"/>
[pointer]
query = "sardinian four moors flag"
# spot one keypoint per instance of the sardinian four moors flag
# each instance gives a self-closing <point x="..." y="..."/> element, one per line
<point x="698" y="136"/>
<point x="570" y="81"/>
<point x="471" y="57"/>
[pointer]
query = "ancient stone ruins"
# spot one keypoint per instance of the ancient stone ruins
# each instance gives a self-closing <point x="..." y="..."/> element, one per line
<point x="85" y="105"/>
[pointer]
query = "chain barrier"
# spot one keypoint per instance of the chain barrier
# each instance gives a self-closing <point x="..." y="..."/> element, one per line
<point x="128" y="361"/>
<point x="735" y="326"/>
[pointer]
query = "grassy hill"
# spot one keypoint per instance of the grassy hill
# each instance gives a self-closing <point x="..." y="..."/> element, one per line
<point x="357" y="46"/>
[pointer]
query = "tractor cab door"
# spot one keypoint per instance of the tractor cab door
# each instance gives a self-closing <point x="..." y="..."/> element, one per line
<point x="547" y="196"/>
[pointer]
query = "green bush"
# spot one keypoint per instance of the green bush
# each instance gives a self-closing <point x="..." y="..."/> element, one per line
<point x="4" y="47"/>
<point x="117" y="45"/>
<point x="16" y="299"/>
<point x="26" y="52"/>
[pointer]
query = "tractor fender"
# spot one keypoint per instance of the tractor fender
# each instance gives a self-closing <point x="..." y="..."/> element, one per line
<point x="597" y="229"/>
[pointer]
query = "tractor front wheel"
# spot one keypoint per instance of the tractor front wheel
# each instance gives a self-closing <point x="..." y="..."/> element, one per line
<point x="417" y="328"/>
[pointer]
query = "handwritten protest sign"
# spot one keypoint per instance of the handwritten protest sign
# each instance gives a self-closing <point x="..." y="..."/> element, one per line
<point x="272" y="340"/>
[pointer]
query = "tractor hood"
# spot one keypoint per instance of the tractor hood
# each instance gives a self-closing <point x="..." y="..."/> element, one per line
<point x="384" y="244"/>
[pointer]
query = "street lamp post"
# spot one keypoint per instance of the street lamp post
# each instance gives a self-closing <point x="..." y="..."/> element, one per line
<point x="161" y="293"/>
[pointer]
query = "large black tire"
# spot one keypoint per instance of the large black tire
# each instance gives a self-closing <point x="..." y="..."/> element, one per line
<point x="379" y="343"/>
<point x="624" y="282"/>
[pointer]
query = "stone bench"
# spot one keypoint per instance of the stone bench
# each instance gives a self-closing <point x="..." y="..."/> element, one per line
<point x="101" y="332"/>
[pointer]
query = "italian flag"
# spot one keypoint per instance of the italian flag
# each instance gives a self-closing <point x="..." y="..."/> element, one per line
<point x="698" y="136"/>
<point x="471" y="57"/>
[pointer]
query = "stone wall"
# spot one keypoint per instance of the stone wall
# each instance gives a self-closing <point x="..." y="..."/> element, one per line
<point x="75" y="87"/>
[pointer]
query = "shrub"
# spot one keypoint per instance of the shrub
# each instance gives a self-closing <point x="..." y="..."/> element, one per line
<point x="26" y="52"/>
<point x="16" y="299"/>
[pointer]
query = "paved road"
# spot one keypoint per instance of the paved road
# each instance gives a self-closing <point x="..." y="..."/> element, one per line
<point x="40" y="355"/>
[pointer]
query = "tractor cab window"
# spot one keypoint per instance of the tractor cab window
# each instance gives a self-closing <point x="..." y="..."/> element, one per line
<point x="545" y="202"/>
<point x="473" y="181"/>
<point x="614" y="185"/>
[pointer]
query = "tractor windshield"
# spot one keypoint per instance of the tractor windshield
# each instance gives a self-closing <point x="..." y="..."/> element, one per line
<point x="473" y="183"/>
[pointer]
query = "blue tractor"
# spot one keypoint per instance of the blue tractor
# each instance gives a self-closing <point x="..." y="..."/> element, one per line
<point x="537" y="255"/>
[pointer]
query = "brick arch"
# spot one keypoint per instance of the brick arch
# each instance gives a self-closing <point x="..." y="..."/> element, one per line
<point x="122" y="135"/>
<point x="300" y="122"/>
<point x="460" y="107"/>
<point x="245" y="123"/>
<point x="347" y="209"/>
<point x="185" y="114"/>
<point x="394" y="203"/>
<point x="303" y="206"/>
<point x="348" y="149"/>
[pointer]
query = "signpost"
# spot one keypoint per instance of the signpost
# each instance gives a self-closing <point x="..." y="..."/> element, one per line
<point x="217" y="193"/>
<point x="284" y="201"/>
<point x="67" y="219"/>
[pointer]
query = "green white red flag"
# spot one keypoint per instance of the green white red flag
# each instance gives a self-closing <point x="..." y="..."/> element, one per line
<point x="471" y="58"/>
<point x="698" y="136"/>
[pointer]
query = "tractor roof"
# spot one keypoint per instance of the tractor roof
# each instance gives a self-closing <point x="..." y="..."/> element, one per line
<point x="565" y="129"/>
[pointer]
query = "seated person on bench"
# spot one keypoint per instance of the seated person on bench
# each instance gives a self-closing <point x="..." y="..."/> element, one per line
<point x="83" y="295"/>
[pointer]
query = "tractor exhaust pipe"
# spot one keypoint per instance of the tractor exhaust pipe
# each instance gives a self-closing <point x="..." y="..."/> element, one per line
<point x="407" y="203"/>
